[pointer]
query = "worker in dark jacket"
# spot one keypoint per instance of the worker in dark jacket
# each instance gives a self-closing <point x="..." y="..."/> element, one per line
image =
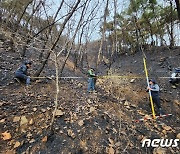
<point x="91" y="80"/>
<point x="21" y="72"/>
<point x="154" y="88"/>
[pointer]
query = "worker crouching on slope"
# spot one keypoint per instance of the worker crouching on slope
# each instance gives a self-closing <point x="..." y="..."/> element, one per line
<point x="91" y="80"/>
<point x="21" y="73"/>
<point x="154" y="88"/>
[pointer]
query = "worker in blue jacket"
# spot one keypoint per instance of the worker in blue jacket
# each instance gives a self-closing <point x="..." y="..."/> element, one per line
<point x="21" y="72"/>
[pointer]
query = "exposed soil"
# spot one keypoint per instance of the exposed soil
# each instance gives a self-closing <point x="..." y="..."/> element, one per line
<point x="101" y="122"/>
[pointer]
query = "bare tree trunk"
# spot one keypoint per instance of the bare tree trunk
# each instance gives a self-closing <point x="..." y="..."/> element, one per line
<point x="50" y="28"/>
<point x="24" y="11"/>
<point x="172" y="28"/>
<point x="178" y="7"/>
<point x="114" y="51"/>
<point x="57" y="39"/>
<point x="75" y="33"/>
<point x="33" y="12"/>
<point x="103" y="35"/>
<point x="57" y="91"/>
<point x="137" y="35"/>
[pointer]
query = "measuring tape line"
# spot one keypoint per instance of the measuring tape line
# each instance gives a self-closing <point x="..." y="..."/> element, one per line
<point x="77" y="77"/>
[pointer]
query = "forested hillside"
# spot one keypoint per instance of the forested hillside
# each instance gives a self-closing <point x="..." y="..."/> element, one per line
<point x="55" y="113"/>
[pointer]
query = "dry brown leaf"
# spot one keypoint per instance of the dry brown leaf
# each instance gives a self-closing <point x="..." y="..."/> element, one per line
<point x="83" y="143"/>
<point x="70" y="133"/>
<point x="111" y="151"/>
<point x="111" y="141"/>
<point x="44" y="139"/>
<point x="118" y="144"/>
<point x="6" y="136"/>
<point x="17" y="144"/>
<point x="10" y="152"/>
<point x="178" y="136"/>
<point x="2" y="120"/>
<point x="16" y="119"/>
<point x="31" y="122"/>
<point x="92" y="109"/>
<point x="81" y="122"/>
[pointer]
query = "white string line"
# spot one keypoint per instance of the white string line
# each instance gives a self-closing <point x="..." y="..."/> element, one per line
<point x="76" y="77"/>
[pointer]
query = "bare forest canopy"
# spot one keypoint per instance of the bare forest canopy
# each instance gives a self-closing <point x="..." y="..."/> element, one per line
<point x="69" y="26"/>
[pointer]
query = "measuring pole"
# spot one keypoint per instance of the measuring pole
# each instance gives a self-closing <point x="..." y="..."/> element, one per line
<point x="146" y="72"/>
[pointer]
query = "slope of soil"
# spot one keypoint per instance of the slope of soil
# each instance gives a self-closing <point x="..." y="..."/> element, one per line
<point x="101" y="122"/>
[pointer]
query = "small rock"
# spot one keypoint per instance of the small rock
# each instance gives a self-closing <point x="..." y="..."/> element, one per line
<point x="92" y="109"/>
<point x="118" y="144"/>
<point x="56" y="128"/>
<point x="174" y="87"/>
<point x="48" y="108"/>
<point x="10" y="152"/>
<point x="59" y="113"/>
<point x="83" y="144"/>
<point x="81" y="123"/>
<point x="178" y="136"/>
<point x="25" y="107"/>
<point x="132" y="80"/>
<point x="44" y="139"/>
<point x="140" y="112"/>
<point x="133" y="105"/>
<point x="2" y="120"/>
<point x="126" y="103"/>
<point x="111" y="141"/>
<point x="79" y="85"/>
<point x="43" y="110"/>
<point x="147" y="116"/>
<point x="6" y="136"/>
<point x="34" y="109"/>
<point x="17" y="144"/>
<point x="159" y="151"/>
<point x="1" y="103"/>
<point x="128" y="107"/>
<point x="16" y="119"/>
<point x="32" y="141"/>
<point x="29" y="135"/>
<point x="167" y="128"/>
<point x="114" y="130"/>
<point x="31" y="121"/>
<point x="123" y="133"/>
<point x="78" y="131"/>
<point x="89" y="101"/>
<point x="140" y="137"/>
<point x="177" y="102"/>
<point x="164" y="132"/>
<point x="111" y="150"/>
<point x="23" y="120"/>
<point x="70" y="133"/>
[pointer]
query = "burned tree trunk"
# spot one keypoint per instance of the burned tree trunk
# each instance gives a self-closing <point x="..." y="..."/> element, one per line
<point x="178" y="7"/>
